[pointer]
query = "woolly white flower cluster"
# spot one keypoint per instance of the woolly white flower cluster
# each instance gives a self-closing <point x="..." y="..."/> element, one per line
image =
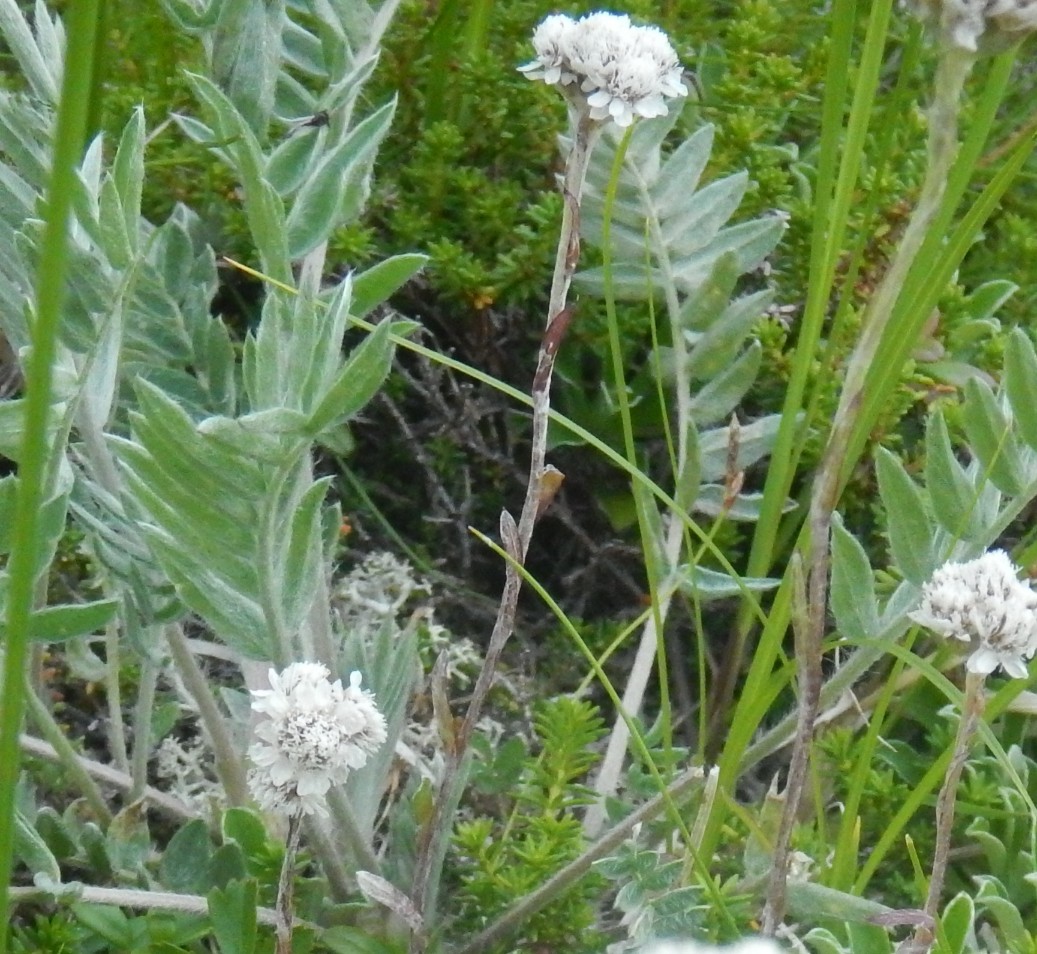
<point x="977" y="25"/>
<point x="315" y="732"/>
<point x="982" y="602"/>
<point x="622" y="70"/>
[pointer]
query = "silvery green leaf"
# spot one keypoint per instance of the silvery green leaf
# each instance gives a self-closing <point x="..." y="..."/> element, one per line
<point x="717" y="347"/>
<point x="342" y="94"/>
<point x="711" y="501"/>
<point x="954" y="496"/>
<point x="853" y="601"/>
<point x="41" y="70"/>
<point x="59" y="623"/>
<point x="336" y="191"/>
<point x="293" y="102"/>
<point x="191" y="16"/>
<point x="751" y="242"/>
<point x="303" y="566"/>
<point x="991" y="438"/>
<point x="245" y="58"/>
<point x="128" y="173"/>
<point x="263" y="206"/>
<point x="986" y="300"/>
<point x="361" y="376"/>
<point x="908" y="525"/>
<point x="703" y="215"/>
<point x="302" y="50"/>
<point x="719" y="396"/>
<point x="755" y="440"/>
<point x="288" y="165"/>
<point x="376" y="284"/>
<point x="114" y="237"/>
<point x="680" y="174"/>
<point x="30" y="848"/>
<point x="629" y="282"/>
<point x="705" y="584"/>
<point x="1021" y="384"/>
<point x="701" y="311"/>
<point x="958" y="924"/>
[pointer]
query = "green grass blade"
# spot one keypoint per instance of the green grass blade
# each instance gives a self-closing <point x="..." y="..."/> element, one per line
<point x="82" y="22"/>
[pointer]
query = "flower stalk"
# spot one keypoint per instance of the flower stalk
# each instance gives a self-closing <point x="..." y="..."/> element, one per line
<point x="608" y="70"/>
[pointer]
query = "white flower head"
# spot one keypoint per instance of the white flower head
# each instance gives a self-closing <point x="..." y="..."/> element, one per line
<point x="983" y="602"/>
<point x="623" y="70"/>
<point x="315" y="732"/>
<point x="977" y="26"/>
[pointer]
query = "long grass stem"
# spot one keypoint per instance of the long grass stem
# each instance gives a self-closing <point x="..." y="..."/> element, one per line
<point x="953" y="69"/>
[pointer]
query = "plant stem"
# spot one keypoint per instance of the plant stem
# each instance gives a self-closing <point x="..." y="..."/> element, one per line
<point x="286" y="886"/>
<point x="516" y="538"/>
<point x="68" y="757"/>
<point x="173" y="808"/>
<point x="952" y="70"/>
<point x="972" y="711"/>
<point x="228" y="762"/>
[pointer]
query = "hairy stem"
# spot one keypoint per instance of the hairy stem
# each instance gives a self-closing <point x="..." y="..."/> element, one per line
<point x="228" y="762"/>
<point x="972" y="711"/>
<point x="516" y="538"/>
<point x="286" y="886"/>
<point x="953" y="68"/>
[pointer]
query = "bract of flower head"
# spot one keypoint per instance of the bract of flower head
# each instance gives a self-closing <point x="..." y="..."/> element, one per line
<point x="983" y="602"/>
<point x="623" y="70"/>
<point x="977" y="25"/>
<point x="313" y="734"/>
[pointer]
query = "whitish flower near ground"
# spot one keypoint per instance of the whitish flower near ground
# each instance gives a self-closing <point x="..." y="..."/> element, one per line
<point x="619" y="70"/>
<point x="983" y="602"/>
<point x="314" y="733"/>
<point x="755" y="945"/>
<point x="977" y="25"/>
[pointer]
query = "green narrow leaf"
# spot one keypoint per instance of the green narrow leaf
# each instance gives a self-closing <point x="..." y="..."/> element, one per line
<point x="990" y="435"/>
<point x="361" y="376"/>
<point x="853" y="600"/>
<point x="908" y="525"/>
<point x="1021" y="383"/>
<point x="958" y="924"/>
<point x="721" y="394"/>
